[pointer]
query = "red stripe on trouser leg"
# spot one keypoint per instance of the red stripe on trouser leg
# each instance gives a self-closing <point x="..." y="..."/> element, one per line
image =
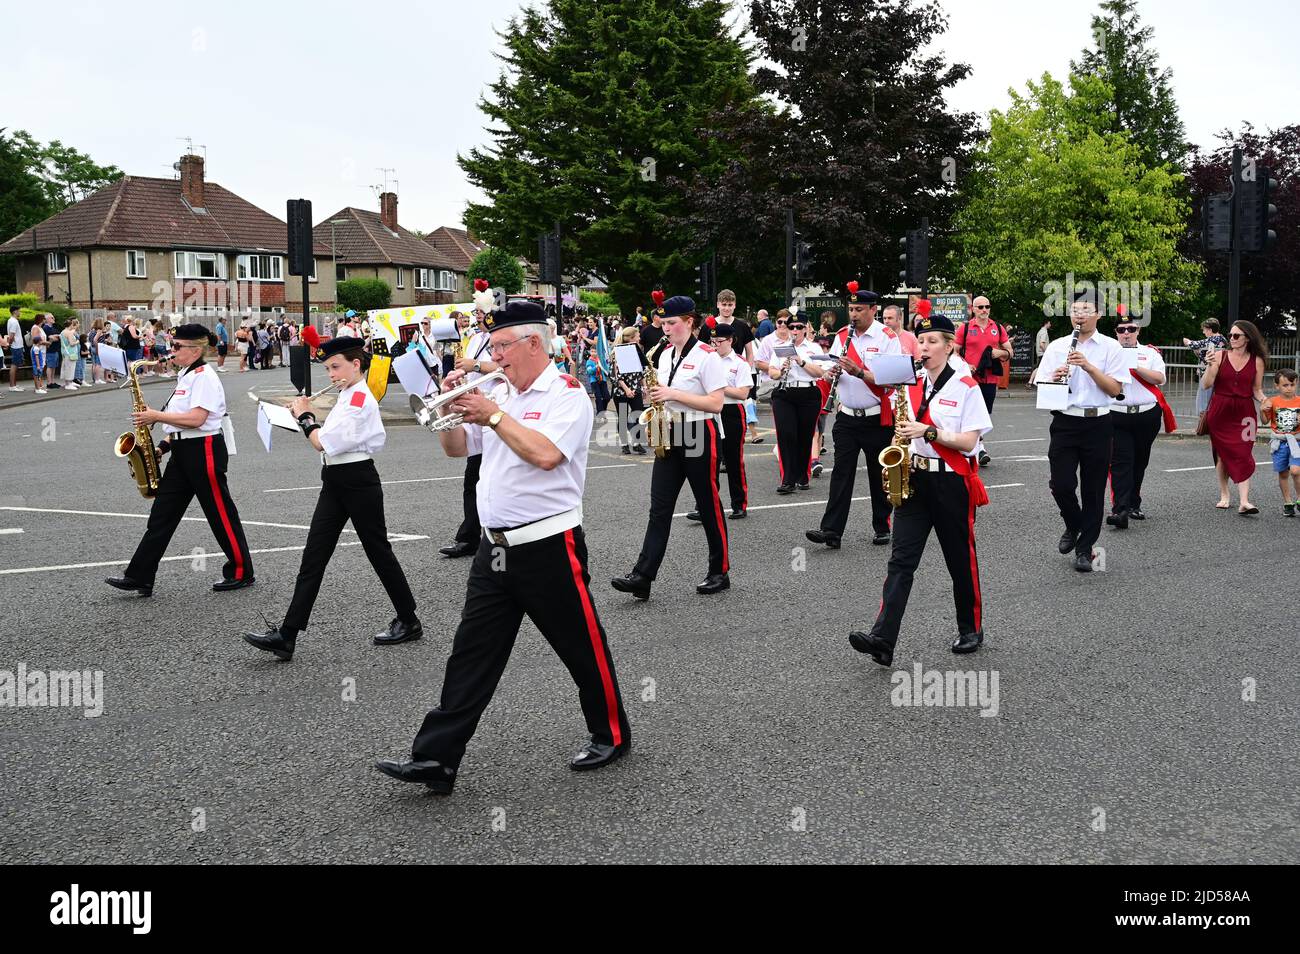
<point x="974" y="567"/>
<point x="221" y="508"/>
<point x="740" y="455"/>
<point x="597" y="644"/>
<point x="717" y="497"/>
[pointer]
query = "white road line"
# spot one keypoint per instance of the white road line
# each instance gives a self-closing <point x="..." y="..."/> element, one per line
<point x="11" y="529"/>
<point x="1018" y="440"/>
<point x="418" y="480"/>
<point x="145" y="516"/>
<point x="1183" y="470"/>
<point x="393" y="538"/>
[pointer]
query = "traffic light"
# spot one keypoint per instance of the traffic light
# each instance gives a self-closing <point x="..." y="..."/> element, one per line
<point x="1216" y="223"/>
<point x="804" y="260"/>
<point x="706" y="281"/>
<point x="300" y="237"/>
<point x="1254" y="212"/>
<point x="915" y="258"/>
<point x="548" y="258"/>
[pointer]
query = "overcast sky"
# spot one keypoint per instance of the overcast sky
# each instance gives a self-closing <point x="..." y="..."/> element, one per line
<point x="312" y="100"/>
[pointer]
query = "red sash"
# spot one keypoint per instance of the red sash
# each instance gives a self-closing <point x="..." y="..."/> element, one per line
<point x="1171" y="422"/>
<point x="965" y="467"/>
<point x="886" y="404"/>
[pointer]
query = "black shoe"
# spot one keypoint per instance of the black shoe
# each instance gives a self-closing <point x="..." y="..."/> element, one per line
<point x="831" y="540"/>
<point x="738" y="514"/>
<point x="634" y="583"/>
<point x="967" y="643"/>
<point x="1083" y="562"/>
<point x="595" y="754"/>
<point x="1118" y="520"/>
<point x="222" y="585"/>
<point x="625" y="450"/>
<point x="715" y="583"/>
<point x="1067" y="541"/>
<point x="695" y="515"/>
<point x="400" y="632"/>
<point x="881" y="537"/>
<point x="273" y="641"/>
<point x="785" y="489"/>
<point x="984" y="459"/>
<point x="1136" y="514"/>
<point x="126" y="583"/>
<point x="457" y="549"/>
<point x="803" y="485"/>
<point x="437" y="776"/>
<point x="817" y="469"/>
<point x="872" y="645"/>
<point x="638" y="449"/>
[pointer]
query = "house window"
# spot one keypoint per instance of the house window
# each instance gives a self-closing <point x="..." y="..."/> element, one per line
<point x="135" y="264"/>
<point x="56" y="262"/>
<point x="200" y="265"/>
<point x="311" y="276"/>
<point x="401" y="278"/>
<point x="138" y="308"/>
<point x="260" y="268"/>
<point x="422" y="278"/>
<point x="340" y="273"/>
<point x="446" y="281"/>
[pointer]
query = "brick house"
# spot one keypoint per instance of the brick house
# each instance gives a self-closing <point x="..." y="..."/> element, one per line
<point x="460" y="247"/>
<point x="165" y="245"/>
<point x="374" y="245"/>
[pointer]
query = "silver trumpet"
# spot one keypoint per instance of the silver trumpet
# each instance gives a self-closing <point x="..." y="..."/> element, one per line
<point x="310" y="397"/>
<point x="428" y="410"/>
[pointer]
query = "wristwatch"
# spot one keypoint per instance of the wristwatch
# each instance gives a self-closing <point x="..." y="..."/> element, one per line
<point x="478" y="367"/>
<point x="931" y="434"/>
<point x="495" y="419"/>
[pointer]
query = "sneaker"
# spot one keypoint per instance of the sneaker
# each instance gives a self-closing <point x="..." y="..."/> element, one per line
<point x="74" y="387"/>
<point x="817" y="468"/>
<point x="40" y="391"/>
<point x="222" y="370"/>
<point x="1288" y="510"/>
<point x="984" y="459"/>
<point x="17" y="389"/>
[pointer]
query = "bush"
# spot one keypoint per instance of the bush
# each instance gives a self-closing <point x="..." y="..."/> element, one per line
<point x="500" y="268"/>
<point x="364" y="294"/>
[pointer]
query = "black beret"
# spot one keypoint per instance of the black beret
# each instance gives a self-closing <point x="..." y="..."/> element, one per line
<point x="515" y="313"/>
<point x="935" y="322"/>
<point x="723" y="331"/>
<point x="678" y="305"/>
<point x="194" y="331"/>
<point x="338" y="346"/>
<point x="864" y="297"/>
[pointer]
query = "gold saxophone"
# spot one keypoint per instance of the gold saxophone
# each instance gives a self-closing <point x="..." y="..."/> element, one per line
<point x="656" y="419"/>
<point x="137" y="445"/>
<point x="896" y="459"/>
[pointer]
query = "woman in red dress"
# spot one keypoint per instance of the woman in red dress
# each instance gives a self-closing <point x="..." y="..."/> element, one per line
<point x="1237" y="377"/>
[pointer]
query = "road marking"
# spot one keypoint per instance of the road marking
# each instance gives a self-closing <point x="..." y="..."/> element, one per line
<point x="1018" y="440"/>
<point x="145" y="516"/>
<point x="11" y="530"/>
<point x="404" y="480"/>
<point x="392" y="537"/>
<point x="811" y="503"/>
<point x="1183" y="470"/>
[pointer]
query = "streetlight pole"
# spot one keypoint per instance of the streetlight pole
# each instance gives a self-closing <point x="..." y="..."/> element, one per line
<point x="334" y="252"/>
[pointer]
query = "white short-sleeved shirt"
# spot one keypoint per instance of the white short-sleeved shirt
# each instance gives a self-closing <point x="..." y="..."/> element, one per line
<point x="197" y="386"/>
<point x="959" y="407"/>
<point x="1101" y="351"/>
<point x="344" y="331"/>
<point x="877" y="339"/>
<point x="739" y="375"/>
<point x="764" y="350"/>
<point x="797" y="374"/>
<point x="700" y="372"/>
<point x="353" y="425"/>
<point x="1148" y="359"/>
<point x="513" y="492"/>
<point x="476" y="349"/>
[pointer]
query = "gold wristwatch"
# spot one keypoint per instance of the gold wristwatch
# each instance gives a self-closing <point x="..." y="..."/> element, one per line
<point x="495" y="419"/>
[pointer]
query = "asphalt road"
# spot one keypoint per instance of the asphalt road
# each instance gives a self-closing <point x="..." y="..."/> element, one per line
<point x="1120" y="734"/>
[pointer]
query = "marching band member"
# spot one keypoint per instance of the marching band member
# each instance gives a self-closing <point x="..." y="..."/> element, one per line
<point x="796" y="402"/>
<point x="740" y="379"/>
<point x="691" y="384"/>
<point x="532" y="560"/>
<point x="350" y="489"/>
<point x="191" y="419"/>
<point x="474" y="362"/>
<point x="1138" y="414"/>
<point x="948" y="416"/>
<point x="1079" y="449"/>
<point x="863" y="424"/>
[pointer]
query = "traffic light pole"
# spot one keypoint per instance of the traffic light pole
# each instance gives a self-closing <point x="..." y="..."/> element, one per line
<point x="925" y="278"/>
<point x="789" y="256"/>
<point x="559" y="281"/>
<point x="1234" y="256"/>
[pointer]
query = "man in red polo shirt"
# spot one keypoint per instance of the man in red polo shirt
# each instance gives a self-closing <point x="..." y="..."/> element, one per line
<point x="976" y="336"/>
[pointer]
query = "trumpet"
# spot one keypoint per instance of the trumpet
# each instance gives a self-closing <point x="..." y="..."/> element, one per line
<point x="427" y="410"/>
<point x="310" y="397"/>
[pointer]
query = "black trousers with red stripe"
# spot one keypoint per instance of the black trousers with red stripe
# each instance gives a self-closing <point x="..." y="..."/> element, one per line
<point x="938" y="502"/>
<point x="548" y="582"/>
<point x="733" y="454"/>
<point x="854" y="437"/>
<point x="794" y="411"/>
<point x="196" y="467"/>
<point x="692" y="458"/>
<point x="1130" y="453"/>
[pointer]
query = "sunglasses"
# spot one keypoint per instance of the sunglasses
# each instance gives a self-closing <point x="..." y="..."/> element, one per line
<point x="798" y="327"/>
<point x="1126" y="329"/>
<point x="981" y="307"/>
<point x="1236" y="334"/>
<point x="782" y="321"/>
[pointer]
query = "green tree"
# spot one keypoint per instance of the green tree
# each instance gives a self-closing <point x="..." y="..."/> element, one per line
<point x="599" y="302"/>
<point x="600" y="104"/>
<point x="364" y="294"/>
<point x="500" y="268"/>
<point x="1057" y="197"/>
<point x="1142" y="98"/>
<point x="67" y="176"/>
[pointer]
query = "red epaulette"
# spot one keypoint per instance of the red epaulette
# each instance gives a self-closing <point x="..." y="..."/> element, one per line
<point x="889" y="332"/>
<point x="968" y="380"/>
<point x="571" y="381"/>
<point x="358" y="399"/>
<point x="709" y="348"/>
<point x="199" y="368"/>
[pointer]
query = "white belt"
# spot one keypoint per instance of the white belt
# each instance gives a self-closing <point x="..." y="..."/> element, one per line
<point x="860" y="411"/>
<point x="682" y="416"/>
<point x="1084" y="411"/>
<point x="351" y="457"/>
<point x="537" y="530"/>
<point x="1132" y="408"/>
<point x="921" y="462"/>
<point x="190" y="433"/>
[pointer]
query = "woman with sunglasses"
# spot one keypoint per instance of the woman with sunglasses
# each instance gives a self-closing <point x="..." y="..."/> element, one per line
<point x="1237" y="378"/>
<point x="796" y="402"/>
<point x="1138" y="414"/>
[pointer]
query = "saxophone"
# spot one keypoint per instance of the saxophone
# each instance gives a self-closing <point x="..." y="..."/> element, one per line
<point x="137" y="445"/>
<point x="896" y="459"/>
<point x="655" y="419"/>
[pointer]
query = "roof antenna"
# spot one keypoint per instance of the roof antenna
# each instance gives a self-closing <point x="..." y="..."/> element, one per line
<point x="386" y="172"/>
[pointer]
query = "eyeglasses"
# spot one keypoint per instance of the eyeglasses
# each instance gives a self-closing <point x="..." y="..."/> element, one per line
<point x="981" y="307"/>
<point x="1236" y="334"/>
<point x="798" y="327"/>
<point x="782" y="321"/>
<point x="500" y="349"/>
<point x="1126" y="329"/>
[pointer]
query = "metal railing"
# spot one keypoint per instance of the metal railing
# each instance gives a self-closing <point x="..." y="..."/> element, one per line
<point x="1183" y="379"/>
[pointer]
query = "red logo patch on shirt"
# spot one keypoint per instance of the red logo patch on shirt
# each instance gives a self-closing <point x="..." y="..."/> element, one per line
<point x="947" y="402"/>
<point x="199" y="368"/>
<point x="533" y="416"/>
<point x="571" y="381"/>
<point x="872" y="349"/>
<point x="179" y="392"/>
<point x="358" y="399"/>
<point x="688" y="367"/>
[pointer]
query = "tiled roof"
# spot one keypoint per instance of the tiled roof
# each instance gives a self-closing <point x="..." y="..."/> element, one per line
<point x="363" y="239"/>
<point x="456" y="245"/>
<point x="138" y="211"/>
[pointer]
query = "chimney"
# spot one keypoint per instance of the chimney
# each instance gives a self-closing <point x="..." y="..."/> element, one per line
<point x="191" y="168"/>
<point x="388" y="210"/>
